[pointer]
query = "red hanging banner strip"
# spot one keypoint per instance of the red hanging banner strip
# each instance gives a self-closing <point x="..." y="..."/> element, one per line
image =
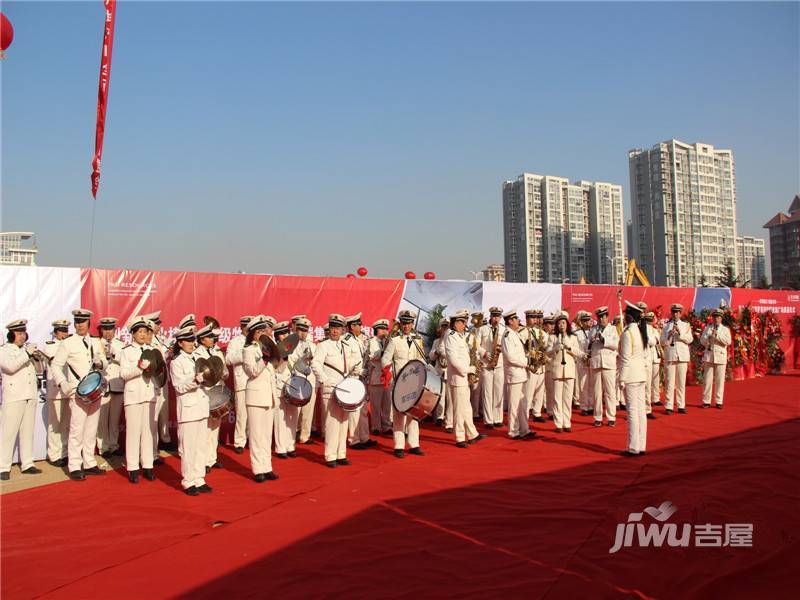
<point x="102" y="92"/>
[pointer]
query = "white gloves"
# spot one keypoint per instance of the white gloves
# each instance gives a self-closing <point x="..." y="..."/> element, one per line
<point x="472" y="370"/>
<point x="144" y="363"/>
<point x="97" y="364"/>
<point x="66" y="388"/>
<point x="198" y="378"/>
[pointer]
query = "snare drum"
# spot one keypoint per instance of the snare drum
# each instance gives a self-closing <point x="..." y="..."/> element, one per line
<point x="350" y="394"/>
<point x="298" y="390"/>
<point x="91" y="388"/>
<point x="219" y="404"/>
<point x="417" y="390"/>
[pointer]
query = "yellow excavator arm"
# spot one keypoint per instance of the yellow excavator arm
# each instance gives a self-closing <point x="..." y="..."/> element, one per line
<point x="637" y="273"/>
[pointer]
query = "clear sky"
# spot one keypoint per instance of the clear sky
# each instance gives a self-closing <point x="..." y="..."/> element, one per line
<point x="315" y="138"/>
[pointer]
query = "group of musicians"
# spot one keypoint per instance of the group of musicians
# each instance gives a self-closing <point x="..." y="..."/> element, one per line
<point x="548" y="363"/>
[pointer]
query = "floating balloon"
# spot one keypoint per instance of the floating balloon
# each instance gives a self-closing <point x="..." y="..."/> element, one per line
<point x="411" y="275"/>
<point x="430" y="275"/>
<point x="362" y="271"/>
<point x="351" y="276"/>
<point x="6" y="33"/>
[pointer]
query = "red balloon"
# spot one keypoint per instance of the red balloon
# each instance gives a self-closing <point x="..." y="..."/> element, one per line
<point x="430" y="275"/>
<point x="411" y="275"/>
<point x="6" y="32"/>
<point x="351" y="276"/>
<point x="362" y="271"/>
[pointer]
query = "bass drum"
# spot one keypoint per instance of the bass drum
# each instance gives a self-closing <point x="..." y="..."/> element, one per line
<point x="298" y="390"/>
<point x="417" y="390"/>
<point x="350" y="394"/>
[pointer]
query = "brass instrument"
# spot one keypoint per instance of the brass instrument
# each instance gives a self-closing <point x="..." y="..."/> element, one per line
<point x="563" y="349"/>
<point x="474" y="361"/>
<point x="536" y="356"/>
<point x="495" y="356"/>
<point x="673" y="330"/>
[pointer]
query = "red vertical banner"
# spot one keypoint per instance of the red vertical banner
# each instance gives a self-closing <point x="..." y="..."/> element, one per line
<point x="102" y="92"/>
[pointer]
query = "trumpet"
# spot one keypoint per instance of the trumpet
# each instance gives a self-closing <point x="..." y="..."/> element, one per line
<point x="563" y="349"/>
<point x="673" y="330"/>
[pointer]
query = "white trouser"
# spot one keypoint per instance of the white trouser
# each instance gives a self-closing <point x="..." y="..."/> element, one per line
<point x="447" y="402"/>
<point x="548" y="392"/>
<point x="240" y="429"/>
<point x="57" y="428"/>
<point x="655" y="383"/>
<point x="307" y="417"/>
<point x="335" y="427"/>
<point x="380" y="401"/>
<point x="637" y="417"/>
<point x="18" y="418"/>
<point x="534" y="393"/>
<point x="162" y="411"/>
<point x="583" y="386"/>
<point x="404" y="425"/>
<point x="713" y="374"/>
<point x="675" y="385"/>
<point x="82" y="434"/>
<point x="259" y="422"/>
<point x="562" y="402"/>
<point x="193" y="448"/>
<point x="462" y="413"/>
<point x="441" y="409"/>
<point x="286" y="416"/>
<point x="140" y="431"/>
<point x="108" y="425"/>
<point x="517" y="410"/>
<point x="648" y="369"/>
<point x="358" y="425"/>
<point x="475" y="396"/>
<point x="213" y="441"/>
<point x="492" y="400"/>
<point x="605" y="393"/>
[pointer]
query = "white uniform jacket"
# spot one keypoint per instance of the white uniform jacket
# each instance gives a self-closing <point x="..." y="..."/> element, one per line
<point x="138" y="388"/>
<point x="515" y="362"/>
<point x="192" y="399"/>
<point x="716" y="346"/>
<point x="77" y="354"/>
<point x="633" y="356"/>
<point x="604" y="350"/>
<point x="679" y="352"/>
<point x="457" y="353"/>
<point x="19" y="374"/>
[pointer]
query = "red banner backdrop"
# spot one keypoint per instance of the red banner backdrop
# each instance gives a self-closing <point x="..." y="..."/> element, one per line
<point x="783" y="304"/>
<point x="102" y="90"/>
<point x="589" y="297"/>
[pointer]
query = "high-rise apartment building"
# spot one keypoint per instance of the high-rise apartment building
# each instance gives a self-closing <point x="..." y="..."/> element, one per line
<point x="751" y="260"/>
<point x="784" y="247"/>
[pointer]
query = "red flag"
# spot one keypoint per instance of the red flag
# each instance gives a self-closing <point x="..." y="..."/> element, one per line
<point x="102" y="92"/>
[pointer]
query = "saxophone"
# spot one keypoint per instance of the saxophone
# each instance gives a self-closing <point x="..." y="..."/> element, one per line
<point x="474" y="361"/>
<point x="536" y="358"/>
<point x="495" y="350"/>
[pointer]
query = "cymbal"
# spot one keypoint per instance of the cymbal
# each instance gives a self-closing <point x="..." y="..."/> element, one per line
<point x="204" y="367"/>
<point x="208" y="320"/>
<point x="269" y="349"/>
<point x="217" y="366"/>
<point x="151" y="355"/>
<point x="288" y="344"/>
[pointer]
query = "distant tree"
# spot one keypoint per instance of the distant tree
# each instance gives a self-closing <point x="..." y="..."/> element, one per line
<point x="434" y="317"/>
<point x="728" y="277"/>
<point x="763" y="284"/>
<point x="703" y="281"/>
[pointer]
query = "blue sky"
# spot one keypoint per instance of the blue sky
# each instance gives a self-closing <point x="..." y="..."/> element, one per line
<point x="314" y="138"/>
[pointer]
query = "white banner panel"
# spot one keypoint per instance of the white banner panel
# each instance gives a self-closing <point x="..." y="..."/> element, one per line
<point x="522" y="297"/>
<point x="41" y="295"/>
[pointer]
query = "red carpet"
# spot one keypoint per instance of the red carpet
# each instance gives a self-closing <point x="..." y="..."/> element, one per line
<point x="501" y="518"/>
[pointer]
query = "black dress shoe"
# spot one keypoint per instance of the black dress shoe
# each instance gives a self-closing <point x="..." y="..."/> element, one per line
<point x="668" y="411"/>
<point x="448" y="430"/>
<point x="291" y="454"/>
<point x="375" y="432"/>
<point x="719" y="406"/>
<point x="167" y="446"/>
<point x="622" y="407"/>
<point x="281" y="455"/>
<point x="704" y="405"/>
<point x="558" y="430"/>
<point x="598" y="423"/>
<point x="260" y="478"/>
<point x="133" y="476"/>
<point x="540" y="419"/>
<point x="205" y="489"/>
<point x="331" y="464"/>
<point x="551" y="418"/>
<point x="77" y="476"/>
<point x="208" y="470"/>
<point x="417" y="451"/>
<point x="399" y="453"/>
<point x="191" y="491"/>
<point x="32" y="471"/>
<point x="642" y="453"/>
<point x="628" y="453"/>
<point x="477" y="438"/>
<point x="439" y="422"/>
<point x="94" y="471"/>
<point x="651" y="416"/>
<point x="148" y="474"/>
<point x="358" y="446"/>
<point x="216" y="465"/>
<point x="370" y="443"/>
<point x="682" y="411"/>
<point x="461" y="445"/>
<point x="238" y="450"/>
<point x="489" y="426"/>
<point x="158" y="461"/>
<point x="5" y="476"/>
<point x="272" y="475"/>
<point x="118" y="452"/>
<point x="106" y="454"/>
<point x="567" y="429"/>
<point x="309" y="442"/>
<point x="612" y="423"/>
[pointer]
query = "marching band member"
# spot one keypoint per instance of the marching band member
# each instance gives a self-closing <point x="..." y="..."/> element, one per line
<point x="490" y="338"/>
<point x="457" y="352"/>
<point x="633" y="358"/>
<point x="111" y="403"/>
<point x="534" y="387"/>
<point x="207" y="338"/>
<point x="331" y="365"/>
<point x="401" y="349"/>
<point x="139" y="399"/>
<point x="293" y="322"/>
<point x="187" y="321"/>
<point x="548" y="326"/>
<point x="260" y="401"/>
<point x="444" y="410"/>
<point x="653" y="360"/>
<point x="157" y="341"/>
<point x="358" y="421"/>
<point x="57" y="402"/>
<point x="20" y="398"/>
<point x="675" y="339"/>
<point x="192" y="406"/>
<point x="269" y="331"/>
<point x="380" y="399"/>
<point x="583" y="382"/>
<point x="715" y="339"/>
<point x="80" y="353"/>
<point x="300" y="360"/>
<point x="285" y="414"/>
<point x="476" y="390"/>
<point x="563" y="350"/>
<point x="617" y="323"/>
<point x="603" y="342"/>
<point x="515" y="365"/>
<point x="234" y="359"/>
